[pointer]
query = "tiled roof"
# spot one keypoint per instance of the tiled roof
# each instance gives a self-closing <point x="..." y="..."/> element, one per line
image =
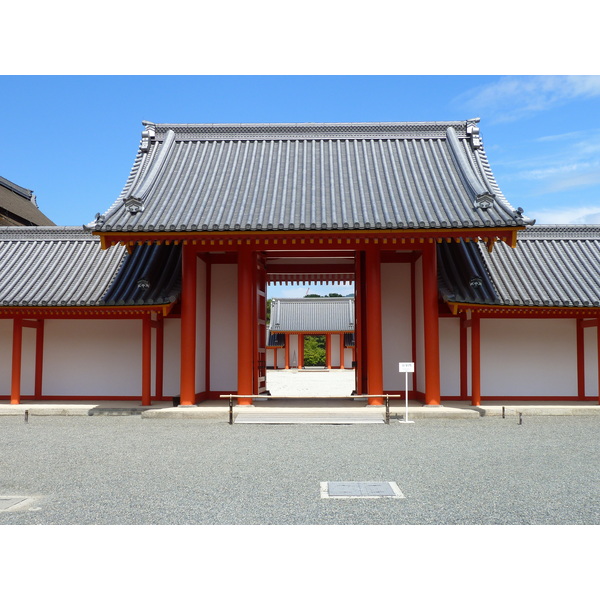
<point x="18" y="206"/>
<point x="54" y="266"/>
<point x="360" y="176"/>
<point x="552" y="266"/>
<point x="65" y="266"/>
<point x="312" y="314"/>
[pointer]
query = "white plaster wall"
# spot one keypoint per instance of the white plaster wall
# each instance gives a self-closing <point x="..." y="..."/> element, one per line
<point x="92" y="357"/>
<point x="200" y="325"/>
<point x="6" y="329"/>
<point x="294" y="359"/>
<point x="396" y="321"/>
<point x="223" y="328"/>
<point x="347" y="358"/>
<point x="528" y="357"/>
<point x="449" y="356"/>
<point x="270" y="357"/>
<point x="172" y="354"/>
<point x="591" y="361"/>
<point x="335" y="350"/>
<point x="419" y="359"/>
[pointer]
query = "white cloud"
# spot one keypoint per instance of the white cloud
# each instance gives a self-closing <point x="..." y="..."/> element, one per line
<point x="584" y="215"/>
<point x="512" y="97"/>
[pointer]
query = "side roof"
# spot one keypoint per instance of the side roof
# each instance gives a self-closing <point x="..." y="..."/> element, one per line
<point x="312" y="314"/>
<point x="551" y="266"/>
<point x="310" y="176"/>
<point x="18" y="206"/>
<point x="65" y="266"/>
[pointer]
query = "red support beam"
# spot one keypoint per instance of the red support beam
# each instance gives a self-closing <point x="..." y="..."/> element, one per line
<point x="300" y="351"/>
<point x="598" y="357"/>
<point x="328" y="350"/>
<point x="287" y="350"/>
<point x="146" y="361"/>
<point x="374" y="331"/>
<point x="159" y="359"/>
<point x="188" y="327"/>
<point x="342" y="351"/>
<point x="245" y="369"/>
<point x="580" y="360"/>
<point x="431" y="326"/>
<point x="207" y="326"/>
<point x="17" y="346"/>
<point x="39" y="358"/>
<point x="464" y="388"/>
<point x="475" y="360"/>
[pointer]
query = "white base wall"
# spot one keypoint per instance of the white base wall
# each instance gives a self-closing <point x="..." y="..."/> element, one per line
<point x="528" y="357"/>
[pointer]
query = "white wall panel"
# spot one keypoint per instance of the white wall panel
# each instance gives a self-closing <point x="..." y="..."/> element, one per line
<point x="6" y="332"/>
<point x="93" y="357"/>
<point x="449" y="356"/>
<point x="223" y="328"/>
<point x="528" y="357"/>
<point x="396" y="322"/>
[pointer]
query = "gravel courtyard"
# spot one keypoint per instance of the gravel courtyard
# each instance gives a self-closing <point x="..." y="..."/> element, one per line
<point x="129" y="470"/>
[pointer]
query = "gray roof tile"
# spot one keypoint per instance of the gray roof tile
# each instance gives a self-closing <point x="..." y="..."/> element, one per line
<point x="312" y="314"/>
<point x="310" y="176"/>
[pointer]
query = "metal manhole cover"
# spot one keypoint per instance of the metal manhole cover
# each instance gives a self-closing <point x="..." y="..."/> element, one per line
<point x="360" y="489"/>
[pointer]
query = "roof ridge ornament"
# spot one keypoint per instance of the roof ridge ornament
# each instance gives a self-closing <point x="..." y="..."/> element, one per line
<point x="148" y="135"/>
<point x="473" y="133"/>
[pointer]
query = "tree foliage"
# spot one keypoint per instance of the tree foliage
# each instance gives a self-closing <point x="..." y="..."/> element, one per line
<point x="314" y="350"/>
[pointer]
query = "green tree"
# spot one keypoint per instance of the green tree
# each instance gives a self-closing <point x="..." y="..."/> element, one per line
<point x="314" y="350"/>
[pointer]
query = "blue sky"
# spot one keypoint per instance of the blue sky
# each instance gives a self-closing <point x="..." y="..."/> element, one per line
<point x="73" y="139"/>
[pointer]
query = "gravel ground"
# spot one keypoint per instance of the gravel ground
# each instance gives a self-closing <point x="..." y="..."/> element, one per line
<point x="128" y="470"/>
<point x="294" y="382"/>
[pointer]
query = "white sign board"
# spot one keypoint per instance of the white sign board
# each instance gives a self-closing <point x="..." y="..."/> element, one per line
<point x="406" y="367"/>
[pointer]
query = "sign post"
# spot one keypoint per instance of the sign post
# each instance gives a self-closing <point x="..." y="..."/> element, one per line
<point x="406" y="368"/>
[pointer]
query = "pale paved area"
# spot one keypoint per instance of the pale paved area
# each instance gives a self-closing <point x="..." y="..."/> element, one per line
<point x="335" y="385"/>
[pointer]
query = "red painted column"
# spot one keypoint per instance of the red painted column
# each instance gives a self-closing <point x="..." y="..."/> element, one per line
<point x="246" y="323"/>
<point x="208" y="299"/>
<point x="146" y="360"/>
<point x="464" y="388"/>
<point x="159" y="359"/>
<point x="475" y="360"/>
<point x="287" y="350"/>
<point x="598" y="355"/>
<point x="431" y="326"/>
<point x="342" y="350"/>
<point x="17" y="346"/>
<point x="580" y="341"/>
<point x="39" y="358"/>
<point x="188" y="327"/>
<point x="328" y="350"/>
<point x="300" y="351"/>
<point x="374" y="333"/>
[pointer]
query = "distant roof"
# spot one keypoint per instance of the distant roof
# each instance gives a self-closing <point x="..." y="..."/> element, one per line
<point x="552" y="266"/>
<point x="312" y="314"/>
<point x="65" y="266"/>
<point x="18" y="206"/>
<point x="310" y="176"/>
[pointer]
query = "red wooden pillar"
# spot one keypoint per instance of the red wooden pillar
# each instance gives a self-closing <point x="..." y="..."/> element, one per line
<point x="580" y="341"/>
<point x="208" y="299"/>
<point x="39" y="358"/>
<point x="598" y="354"/>
<point x="374" y="330"/>
<point x="475" y="360"/>
<point x="431" y="326"/>
<point x="246" y="266"/>
<point x="342" y="350"/>
<point x="287" y="350"/>
<point x="464" y="388"/>
<point x="300" y="351"/>
<point x="17" y="346"/>
<point x="188" y="327"/>
<point x="159" y="359"/>
<point x="146" y="360"/>
<point x="328" y="350"/>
